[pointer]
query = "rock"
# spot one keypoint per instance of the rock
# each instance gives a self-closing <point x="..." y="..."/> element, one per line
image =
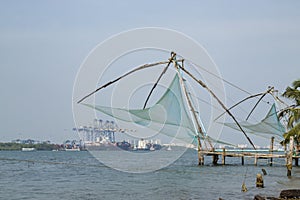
<point x="264" y="171"/>
<point x="290" y="193"/>
<point x="244" y="188"/>
<point x="258" y="197"/>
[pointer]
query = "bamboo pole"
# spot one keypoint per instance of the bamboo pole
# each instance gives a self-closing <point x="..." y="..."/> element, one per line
<point x="219" y="101"/>
<point x="268" y="91"/>
<point x="160" y="76"/>
<point x="250" y="97"/>
<point x="124" y="75"/>
<point x="256" y="95"/>
<point x="197" y="124"/>
<point x="199" y="128"/>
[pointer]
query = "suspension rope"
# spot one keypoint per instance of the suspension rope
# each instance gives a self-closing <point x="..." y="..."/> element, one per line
<point x="228" y="82"/>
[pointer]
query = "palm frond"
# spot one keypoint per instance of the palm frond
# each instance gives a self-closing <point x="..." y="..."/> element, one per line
<point x="295" y="132"/>
<point x="296" y="84"/>
<point x="293" y="94"/>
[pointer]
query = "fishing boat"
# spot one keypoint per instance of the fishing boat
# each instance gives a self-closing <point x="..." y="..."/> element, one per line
<point x="73" y="149"/>
<point x="28" y="149"/>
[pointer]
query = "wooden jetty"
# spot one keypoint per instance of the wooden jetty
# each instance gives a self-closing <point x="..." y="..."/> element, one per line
<point x="289" y="156"/>
<point x="244" y="154"/>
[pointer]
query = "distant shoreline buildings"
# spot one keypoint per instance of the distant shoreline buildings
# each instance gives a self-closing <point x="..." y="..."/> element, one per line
<point x="30" y="141"/>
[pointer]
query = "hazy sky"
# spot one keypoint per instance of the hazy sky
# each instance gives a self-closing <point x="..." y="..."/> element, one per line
<point x="43" y="43"/>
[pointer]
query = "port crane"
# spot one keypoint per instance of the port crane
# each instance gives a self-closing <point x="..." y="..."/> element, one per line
<point x="100" y="130"/>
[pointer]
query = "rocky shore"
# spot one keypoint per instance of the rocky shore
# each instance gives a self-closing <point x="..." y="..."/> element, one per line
<point x="284" y="195"/>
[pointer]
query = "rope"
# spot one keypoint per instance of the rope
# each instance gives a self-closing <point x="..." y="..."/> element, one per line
<point x="244" y="188"/>
<point x="228" y="82"/>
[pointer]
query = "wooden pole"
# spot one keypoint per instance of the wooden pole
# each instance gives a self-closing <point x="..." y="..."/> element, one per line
<point x="297" y="153"/>
<point x="119" y="78"/>
<point x="242" y="160"/>
<point x="197" y="124"/>
<point x="269" y="90"/>
<point x="219" y="101"/>
<point x="289" y="164"/>
<point x="160" y="76"/>
<point x="223" y="156"/>
<point x="296" y="162"/>
<point x="200" y="155"/>
<point x="271" y="150"/>
<point x="215" y="157"/>
<point x="252" y="96"/>
<point x="255" y="160"/>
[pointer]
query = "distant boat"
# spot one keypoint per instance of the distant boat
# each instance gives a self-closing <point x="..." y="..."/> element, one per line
<point x="134" y="148"/>
<point x="75" y="149"/>
<point x="152" y="148"/>
<point x="145" y="145"/>
<point x="28" y="149"/>
<point x="124" y="145"/>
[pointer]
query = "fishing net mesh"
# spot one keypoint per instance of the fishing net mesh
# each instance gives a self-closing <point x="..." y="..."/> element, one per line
<point x="169" y="115"/>
<point x="268" y="127"/>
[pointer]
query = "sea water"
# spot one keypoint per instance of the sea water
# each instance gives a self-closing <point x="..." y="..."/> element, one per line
<point x="78" y="175"/>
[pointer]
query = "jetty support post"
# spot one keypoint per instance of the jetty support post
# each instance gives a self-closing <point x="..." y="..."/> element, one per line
<point x="243" y="157"/>
<point x="271" y="150"/>
<point x="289" y="157"/>
<point x="200" y="158"/>
<point x="215" y="157"/>
<point x="200" y="154"/>
<point x="296" y="162"/>
<point x="223" y="156"/>
<point x="255" y="159"/>
<point x="243" y="160"/>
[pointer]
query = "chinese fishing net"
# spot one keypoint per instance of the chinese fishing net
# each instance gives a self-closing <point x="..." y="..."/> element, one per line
<point x="268" y="127"/>
<point x="169" y="116"/>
